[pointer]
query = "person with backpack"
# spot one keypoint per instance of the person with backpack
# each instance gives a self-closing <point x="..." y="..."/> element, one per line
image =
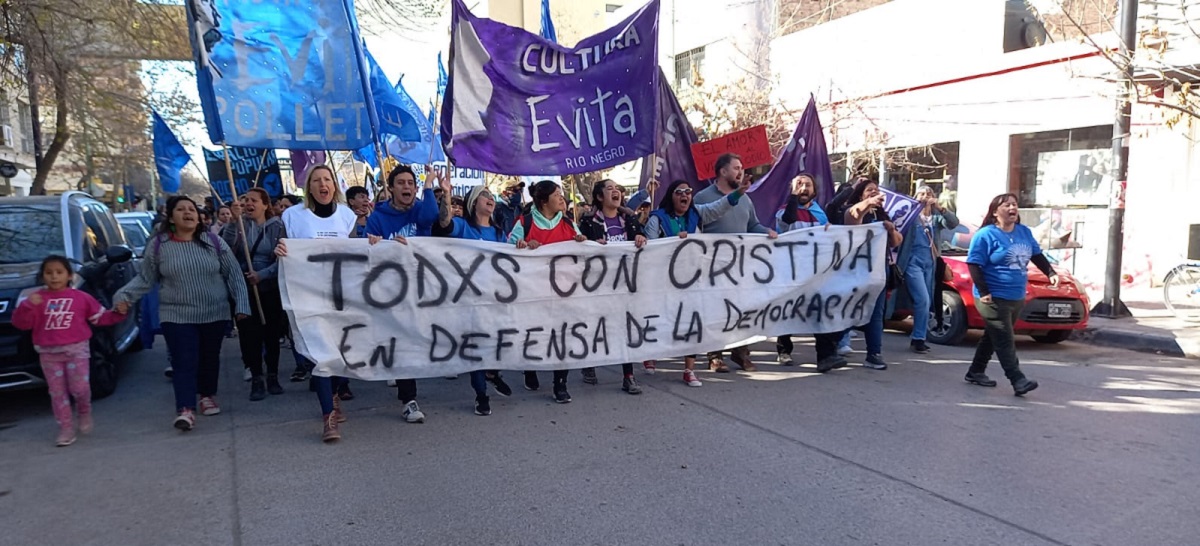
<point x="544" y="222"/>
<point x="199" y="281"/>
<point x="259" y="334"/>
<point x="478" y="223"/>
<point x="608" y="224"/>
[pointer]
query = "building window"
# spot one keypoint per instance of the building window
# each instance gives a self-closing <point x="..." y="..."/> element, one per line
<point x="612" y="8"/>
<point x="26" y="128"/>
<point x="689" y="67"/>
<point x="5" y="112"/>
<point x="1069" y="168"/>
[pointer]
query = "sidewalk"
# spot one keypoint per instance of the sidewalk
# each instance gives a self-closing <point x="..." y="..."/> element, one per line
<point x="1152" y="329"/>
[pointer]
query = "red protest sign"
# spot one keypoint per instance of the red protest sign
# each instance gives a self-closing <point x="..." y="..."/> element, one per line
<point x="750" y="143"/>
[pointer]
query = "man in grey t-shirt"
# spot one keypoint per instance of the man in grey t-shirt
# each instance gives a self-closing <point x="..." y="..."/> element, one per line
<point x="740" y="219"/>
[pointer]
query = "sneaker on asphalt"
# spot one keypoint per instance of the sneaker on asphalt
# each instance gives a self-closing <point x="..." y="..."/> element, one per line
<point x="589" y="376"/>
<point x="412" y="412"/>
<point x="246" y="375"/>
<point x="531" y="381"/>
<point x="875" y="362"/>
<point x="829" y="363"/>
<point x="560" y="393"/>
<point x="498" y="383"/>
<point x="980" y="379"/>
<point x="785" y="359"/>
<point x="630" y="385"/>
<point x="482" y="407"/>
<point x="918" y="346"/>
<point x="718" y="365"/>
<point x="85" y="423"/>
<point x="844" y="350"/>
<point x="273" y="385"/>
<point x="169" y="372"/>
<point x="186" y="420"/>
<point x="1023" y="386"/>
<point x="330" y="434"/>
<point x="208" y="406"/>
<point x="66" y="437"/>
<point x="689" y="377"/>
<point x="258" y="390"/>
<point x="650" y="366"/>
<point x="299" y="376"/>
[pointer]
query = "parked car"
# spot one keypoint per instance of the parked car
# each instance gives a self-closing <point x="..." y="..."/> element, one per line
<point x="146" y="219"/>
<point x="1050" y="313"/>
<point x="136" y="233"/>
<point x="84" y="230"/>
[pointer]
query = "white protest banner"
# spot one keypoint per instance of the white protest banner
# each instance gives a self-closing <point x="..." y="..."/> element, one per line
<point x="436" y="306"/>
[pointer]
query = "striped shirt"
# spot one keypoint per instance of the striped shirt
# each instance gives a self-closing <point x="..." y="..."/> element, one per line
<point x="195" y="286"/>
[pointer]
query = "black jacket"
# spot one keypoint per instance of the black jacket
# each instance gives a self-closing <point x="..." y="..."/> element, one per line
<point x="592" y="227"/>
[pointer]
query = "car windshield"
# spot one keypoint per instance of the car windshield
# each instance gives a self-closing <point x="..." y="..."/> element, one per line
<point x="29" y="234"/>
<point x="133" y="233"/>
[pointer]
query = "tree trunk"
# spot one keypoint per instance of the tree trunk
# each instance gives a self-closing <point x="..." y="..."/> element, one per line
<point x="61" y="134"/>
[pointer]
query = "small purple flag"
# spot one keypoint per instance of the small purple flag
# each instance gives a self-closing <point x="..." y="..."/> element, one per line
<point x="805" y="152"/>
<point x="675" y="138"/>
<point x="901" y="209"/>
<point x="518" y="104"/>
<point x="302" y="161"/>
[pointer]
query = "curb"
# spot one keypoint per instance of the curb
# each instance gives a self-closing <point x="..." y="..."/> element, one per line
<point x="1155" y="343"/>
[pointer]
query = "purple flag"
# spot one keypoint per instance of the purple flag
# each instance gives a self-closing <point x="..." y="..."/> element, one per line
<point x="901" y="209"/>
<point x="805" y="152"/>
<point x="675" y="138"/>
<point x="302" y="161"/>
<point x="518" y="104"/>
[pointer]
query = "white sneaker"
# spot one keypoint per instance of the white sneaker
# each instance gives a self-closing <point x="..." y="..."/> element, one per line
<point x="844" y="350"/>
<point x="391" y="382"/>
<point x="785" y="359"/>
<point x="412" y="413"/>
<point x="689" y="377"/>
<point x="246" y="375"/>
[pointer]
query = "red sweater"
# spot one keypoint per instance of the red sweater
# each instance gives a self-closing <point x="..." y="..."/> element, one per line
<point x="563" y="231"/>
<point x="62" y="317"/>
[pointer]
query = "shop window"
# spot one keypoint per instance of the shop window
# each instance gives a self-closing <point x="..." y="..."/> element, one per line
<point x="1068" y="168"/>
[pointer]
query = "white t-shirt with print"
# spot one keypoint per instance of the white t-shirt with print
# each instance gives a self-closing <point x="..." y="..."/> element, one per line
<point x="302" y="223"/>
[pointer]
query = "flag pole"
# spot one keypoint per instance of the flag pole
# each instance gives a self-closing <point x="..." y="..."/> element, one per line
<point x="233" y="195"/>
<point x="261" y="160"/>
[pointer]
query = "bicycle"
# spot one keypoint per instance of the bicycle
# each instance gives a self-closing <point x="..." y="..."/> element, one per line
<point x="1181" y="291"/>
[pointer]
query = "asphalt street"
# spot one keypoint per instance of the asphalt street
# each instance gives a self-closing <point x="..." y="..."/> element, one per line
<point x="1104" y="453"/>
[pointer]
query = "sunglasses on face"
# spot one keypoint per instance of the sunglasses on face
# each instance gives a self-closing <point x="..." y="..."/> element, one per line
<point x="683" y="191"/>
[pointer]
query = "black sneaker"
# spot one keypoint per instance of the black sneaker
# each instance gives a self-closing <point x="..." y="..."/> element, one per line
<point x="299" y="375"/>
<point x="980" y="379"/>
<point x="258" y="390"/>
<point x="560" y="393"/>
<point x="498" y="383"/>
<point x="531" y="381"/>
<point x="589" y="376"/>
<point x="875" y="362"/>
<point x="273" y="385"/>
<point x="630" y="385"/>
<point x="482" y="407"/>
<point x="1023" y="386"/>
<point x="829" y="363"/>
<point x="918" y="346"/>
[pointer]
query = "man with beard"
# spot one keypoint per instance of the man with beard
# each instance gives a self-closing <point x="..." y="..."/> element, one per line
<point x="739" y="219"/>
<point x="802" y="211"/>
<point x="360" y="202"/>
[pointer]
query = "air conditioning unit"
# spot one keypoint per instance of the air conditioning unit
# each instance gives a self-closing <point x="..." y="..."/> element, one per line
<point x="6" y="136"/>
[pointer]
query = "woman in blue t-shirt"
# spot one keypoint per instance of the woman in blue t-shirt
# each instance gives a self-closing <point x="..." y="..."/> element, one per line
<point x="1000" y="252"/>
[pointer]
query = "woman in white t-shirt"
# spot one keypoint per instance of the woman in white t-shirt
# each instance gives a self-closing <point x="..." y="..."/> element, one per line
<point x="323" y="216"/>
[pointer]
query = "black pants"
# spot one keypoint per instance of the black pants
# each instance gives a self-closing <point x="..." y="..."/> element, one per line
<point x="406" y="390"/>
<point x="195" y="351"/>
<point x="258" y="339"/>
<point x="826" y="344"/>
<point x="998" y="319"/>
<point x="560" y="376"/>
<point x="626" y="369"/>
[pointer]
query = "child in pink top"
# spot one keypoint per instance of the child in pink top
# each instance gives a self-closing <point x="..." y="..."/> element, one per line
<point x="59" y="317"/>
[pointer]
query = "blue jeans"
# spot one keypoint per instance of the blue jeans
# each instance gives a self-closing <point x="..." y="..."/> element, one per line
<point x="325" y="386"/>
<point x="195" y="351"/>
<point x="918" y="278"/>
<point x="873" y="330"/>
<point x="479" y="382"/>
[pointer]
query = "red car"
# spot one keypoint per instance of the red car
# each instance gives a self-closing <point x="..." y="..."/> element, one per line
<point x="1049" y="316"/>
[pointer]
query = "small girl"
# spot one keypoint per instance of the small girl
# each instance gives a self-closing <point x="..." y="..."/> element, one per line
<point x="59" y="317"/>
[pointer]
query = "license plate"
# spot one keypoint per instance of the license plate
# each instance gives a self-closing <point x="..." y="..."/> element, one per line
<point x="1059" y="310"/>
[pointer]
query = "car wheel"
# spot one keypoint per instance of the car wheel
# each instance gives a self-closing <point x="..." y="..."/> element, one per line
<point x="103" y="375"/>
<point x="1053" y="336"/>
<point x="954" y="321"/>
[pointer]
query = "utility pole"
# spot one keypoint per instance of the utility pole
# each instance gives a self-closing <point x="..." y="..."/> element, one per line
<point x="1112" y="306"/>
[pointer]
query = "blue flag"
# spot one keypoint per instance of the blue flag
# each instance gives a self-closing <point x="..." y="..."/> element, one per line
<point x="169" y="155"/>
<point x="399" y="114"/>
<point x="443" y="78"/>
<point x="281" y="78"/>
<point x="548" y="32"/>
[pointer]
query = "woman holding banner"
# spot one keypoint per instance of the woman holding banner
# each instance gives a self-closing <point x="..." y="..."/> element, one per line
<point x="677" y="216"/>
<point x="866" y="207"/>
<point x="478" y="223"/>
<point x="259" y="335"/>
<point x="609" y="225"/>
<point x="544" y="222"/>
<point x="918" y="259"/>
<point x="323" y="216"/>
